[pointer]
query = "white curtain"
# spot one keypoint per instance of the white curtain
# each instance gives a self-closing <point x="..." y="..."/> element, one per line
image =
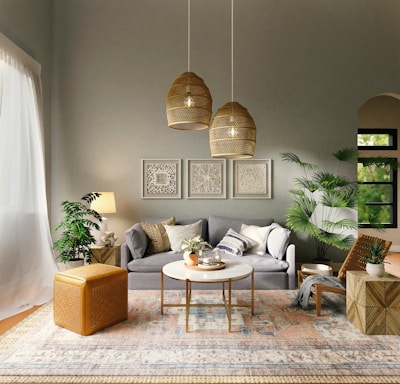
<point x="27" y="265"/>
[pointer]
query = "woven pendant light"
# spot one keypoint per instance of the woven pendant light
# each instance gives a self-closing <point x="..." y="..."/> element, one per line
<point x="189" y="102"/>
<point x="233" y="131"/>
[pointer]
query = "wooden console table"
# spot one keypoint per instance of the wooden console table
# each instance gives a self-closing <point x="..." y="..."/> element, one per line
<point x="373" y="303"/>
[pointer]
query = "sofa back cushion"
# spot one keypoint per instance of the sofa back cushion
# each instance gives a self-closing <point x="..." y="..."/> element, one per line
<point x="204" y="225"/>
<point x="218" y="226"/>
<point x="178" y="233"/>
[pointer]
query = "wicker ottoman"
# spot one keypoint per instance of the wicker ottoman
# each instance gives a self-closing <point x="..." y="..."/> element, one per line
<point x="90" y="298"/>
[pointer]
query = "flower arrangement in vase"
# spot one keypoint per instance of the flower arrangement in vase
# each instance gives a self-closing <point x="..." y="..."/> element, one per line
<point x="193" y="248"/>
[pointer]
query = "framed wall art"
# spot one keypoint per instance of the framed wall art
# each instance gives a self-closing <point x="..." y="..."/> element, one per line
<point x="251" y="179"/>
<point x="161" y="179"/>
<point x="206" y="179"/>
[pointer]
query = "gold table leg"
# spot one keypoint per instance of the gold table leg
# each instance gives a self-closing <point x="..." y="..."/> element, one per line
<point x="162" y="292"/>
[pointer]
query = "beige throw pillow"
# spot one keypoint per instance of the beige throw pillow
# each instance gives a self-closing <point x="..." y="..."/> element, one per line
<point x="157" y="236"/>
<point x="178" y="233"/>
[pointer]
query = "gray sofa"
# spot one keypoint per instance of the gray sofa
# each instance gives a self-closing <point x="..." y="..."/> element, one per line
<point x="270" y="272"/>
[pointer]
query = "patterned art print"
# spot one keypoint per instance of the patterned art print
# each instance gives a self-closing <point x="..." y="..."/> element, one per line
<point x="251" y="179"/>
<point x="161" y="179"/>
<point x="206" y="178"/>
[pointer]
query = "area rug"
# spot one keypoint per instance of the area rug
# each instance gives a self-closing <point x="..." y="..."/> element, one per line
<point x="278" y="344"/>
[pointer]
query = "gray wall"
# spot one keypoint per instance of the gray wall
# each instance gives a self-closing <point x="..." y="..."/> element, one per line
<point x="27" y="23"/>
<point x="302" y="68"/>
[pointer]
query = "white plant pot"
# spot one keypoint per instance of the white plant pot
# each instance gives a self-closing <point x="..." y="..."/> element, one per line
<point x="376" y="270"/>
<point x="74" y="264"/>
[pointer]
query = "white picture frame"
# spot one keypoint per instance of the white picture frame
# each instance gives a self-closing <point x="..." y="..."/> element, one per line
<point x="251" y="179"/>
<point x="161" y="179"/>
<point x="206" y="178"/>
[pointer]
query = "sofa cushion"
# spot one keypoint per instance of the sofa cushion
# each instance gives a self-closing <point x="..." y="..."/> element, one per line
<point x="260" y="263"/>
<point x="218" y="226"/>
<point x="278" y="240"/>
<point x="178" y="233"/>
<point x="157" y="236"/>
<point x="259" y="235"/>
<point x="136" y="240"/>
<point x="153" y="263"/>
<point x="235" y="243"/>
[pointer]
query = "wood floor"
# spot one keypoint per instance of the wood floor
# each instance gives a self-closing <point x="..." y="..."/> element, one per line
<point x="10" y="322"/>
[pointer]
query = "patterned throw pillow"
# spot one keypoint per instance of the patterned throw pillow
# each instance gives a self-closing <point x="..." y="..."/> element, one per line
<point x="178" y="233"/>
<point x="157" y="236"/>
<point x="235" y="243"/>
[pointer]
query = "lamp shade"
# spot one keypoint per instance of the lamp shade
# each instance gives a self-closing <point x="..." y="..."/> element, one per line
<point x="105" y="203"/>
<point x="189" y="103"/>
<point x="233" y="132"/>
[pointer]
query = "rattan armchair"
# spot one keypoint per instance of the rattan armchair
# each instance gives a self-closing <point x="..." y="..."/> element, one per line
<point x="354" y="262"/>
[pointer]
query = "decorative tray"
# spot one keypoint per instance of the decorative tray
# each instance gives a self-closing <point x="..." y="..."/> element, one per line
<point x="206" y="267"/>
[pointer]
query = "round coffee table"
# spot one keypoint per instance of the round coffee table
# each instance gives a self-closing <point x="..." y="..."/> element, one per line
<point x="233" y="271"/>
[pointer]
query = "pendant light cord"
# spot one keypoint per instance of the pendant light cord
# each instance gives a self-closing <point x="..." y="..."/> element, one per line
<point x="188" y="36"/>
<point x="232" y="50"/>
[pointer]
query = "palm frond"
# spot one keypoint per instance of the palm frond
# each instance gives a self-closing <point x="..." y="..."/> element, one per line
<point x="294" y="159"/>
<point x="346" y="154"/>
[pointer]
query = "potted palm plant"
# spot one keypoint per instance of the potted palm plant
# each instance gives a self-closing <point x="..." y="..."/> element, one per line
<point x="76" y="236"/>
<point x="374" y="258"/>
<point x="324" y="204"/>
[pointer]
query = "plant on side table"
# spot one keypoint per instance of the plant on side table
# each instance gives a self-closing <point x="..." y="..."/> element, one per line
<point x="76" y="236"/>
<point x="375" y="258"/>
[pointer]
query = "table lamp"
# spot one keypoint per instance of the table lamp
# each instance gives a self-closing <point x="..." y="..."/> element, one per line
<point x="105" y="203"/>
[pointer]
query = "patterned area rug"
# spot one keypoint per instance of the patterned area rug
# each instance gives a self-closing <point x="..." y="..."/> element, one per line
<point x="278" y="344"/>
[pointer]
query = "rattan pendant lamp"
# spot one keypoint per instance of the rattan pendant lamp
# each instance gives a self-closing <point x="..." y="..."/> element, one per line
<point x="233" y="131"/>
<point x="189" y="102"/>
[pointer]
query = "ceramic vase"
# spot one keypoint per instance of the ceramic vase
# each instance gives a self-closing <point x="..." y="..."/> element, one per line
<point x="376" y="270"/>
<point x="191" y="259"/>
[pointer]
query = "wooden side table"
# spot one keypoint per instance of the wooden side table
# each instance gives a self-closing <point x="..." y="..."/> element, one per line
<point x="106" y="255"/>
<point x="373" y="303"/>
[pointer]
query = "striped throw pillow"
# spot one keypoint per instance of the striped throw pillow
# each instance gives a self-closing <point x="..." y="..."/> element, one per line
<point x="235" y="243"/>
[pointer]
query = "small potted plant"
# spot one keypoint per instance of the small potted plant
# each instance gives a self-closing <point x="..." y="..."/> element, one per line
<point x="193" y="248"/>
<point x="76" y="237"/>
<point x="375" y="258"/>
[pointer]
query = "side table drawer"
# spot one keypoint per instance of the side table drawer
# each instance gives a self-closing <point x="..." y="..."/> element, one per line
<point x="106" y="255"/>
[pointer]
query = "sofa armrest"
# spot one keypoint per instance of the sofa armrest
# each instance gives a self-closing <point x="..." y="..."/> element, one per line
<point x="291" y="259"/>
<point x="126" y="256"/>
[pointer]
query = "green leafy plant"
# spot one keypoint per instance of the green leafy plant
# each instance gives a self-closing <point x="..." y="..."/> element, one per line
<point x="76" y="237"/>
<point x="194" y="245"/>
<point x="376" y="253"/>
<point x="324" y="204"/>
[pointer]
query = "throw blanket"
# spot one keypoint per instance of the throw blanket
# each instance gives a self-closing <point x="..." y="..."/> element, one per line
<point x="304" y="293"/>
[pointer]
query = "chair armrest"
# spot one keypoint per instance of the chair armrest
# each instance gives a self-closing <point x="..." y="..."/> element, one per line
<point x="291" y="259"/>
<point x="126" y="256"/>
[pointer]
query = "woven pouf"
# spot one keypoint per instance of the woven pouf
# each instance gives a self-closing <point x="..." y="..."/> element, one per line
<point x="90" y="298"/>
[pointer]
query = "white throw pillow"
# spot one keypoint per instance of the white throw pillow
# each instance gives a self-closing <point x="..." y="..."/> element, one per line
<point x="278" y="241"/>
<point x="235" y="243"/>
<point x="259" y="235"/>
<point x="178" y="233"/>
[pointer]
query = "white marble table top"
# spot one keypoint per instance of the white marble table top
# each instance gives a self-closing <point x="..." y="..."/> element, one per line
<point x="234" y="270"/>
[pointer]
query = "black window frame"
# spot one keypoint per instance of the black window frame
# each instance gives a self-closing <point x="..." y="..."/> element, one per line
<point x="392" y="132"/>
<point x="393" y="203"/>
